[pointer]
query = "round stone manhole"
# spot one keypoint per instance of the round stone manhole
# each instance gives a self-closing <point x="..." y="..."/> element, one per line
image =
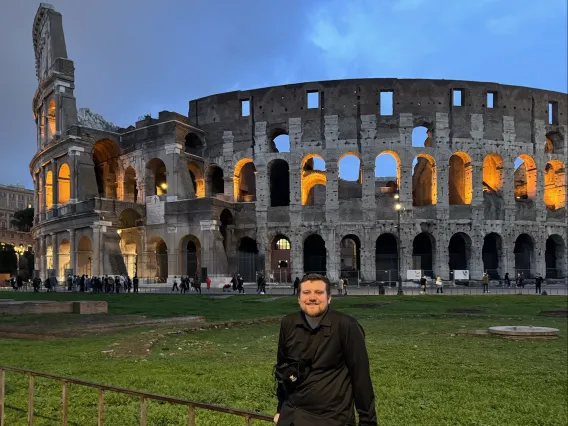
<point x="524" y="331"/>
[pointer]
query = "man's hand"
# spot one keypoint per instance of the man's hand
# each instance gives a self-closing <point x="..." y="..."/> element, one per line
<point x="276" y="417"/>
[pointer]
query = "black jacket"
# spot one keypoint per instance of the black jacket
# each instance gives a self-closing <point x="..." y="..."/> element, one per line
<point x="340" y="374"/>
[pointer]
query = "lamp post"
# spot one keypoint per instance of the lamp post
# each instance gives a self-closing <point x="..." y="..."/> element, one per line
<point x="398" y="208"/>
<point x="19" y="251"/>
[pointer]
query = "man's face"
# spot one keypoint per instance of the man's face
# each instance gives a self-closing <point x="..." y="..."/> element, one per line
<point x="313" y="298"/>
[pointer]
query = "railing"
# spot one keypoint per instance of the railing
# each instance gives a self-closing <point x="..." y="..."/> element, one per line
<point x="144" y="397"/>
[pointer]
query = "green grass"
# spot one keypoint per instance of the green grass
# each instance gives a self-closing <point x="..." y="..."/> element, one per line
<point x="424" y="372"/>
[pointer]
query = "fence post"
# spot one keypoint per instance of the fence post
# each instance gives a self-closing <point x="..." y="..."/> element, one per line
<point x="65" y="403"/>
<point x="1" y="397"/>
<point x="143" y="410"/>
<point x="31" y="401"/>
<point x="191" y="415"/>
<point x="101" y="407"/>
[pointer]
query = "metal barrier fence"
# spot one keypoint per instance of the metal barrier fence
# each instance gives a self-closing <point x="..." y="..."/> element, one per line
<point x="144" y="398"/>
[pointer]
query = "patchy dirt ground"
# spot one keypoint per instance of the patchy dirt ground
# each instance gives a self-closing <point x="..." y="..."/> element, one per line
<point x="71" y="325"/>
<point x="562" y="313"/>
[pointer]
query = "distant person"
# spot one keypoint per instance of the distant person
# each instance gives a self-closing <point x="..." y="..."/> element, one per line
<point x="538" y="283"/>
<point x="322" y="368"/>
<point x="485" y="280"/>
<point x="439" y="285"/>
<point x="296" y="284"/>
<point x="507" y="280"/>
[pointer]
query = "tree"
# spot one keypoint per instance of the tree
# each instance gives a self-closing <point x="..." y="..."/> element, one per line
<point x="23" y="220"/>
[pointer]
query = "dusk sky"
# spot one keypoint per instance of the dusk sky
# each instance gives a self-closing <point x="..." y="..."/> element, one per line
<point x="138" y="57"/>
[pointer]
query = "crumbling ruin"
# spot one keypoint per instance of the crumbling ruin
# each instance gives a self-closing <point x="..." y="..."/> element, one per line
<point x="248" y="181"/>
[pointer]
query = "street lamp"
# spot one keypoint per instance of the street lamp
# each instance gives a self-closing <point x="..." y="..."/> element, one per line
<point x="398" y="208"/>
<point x="19" y="251"/>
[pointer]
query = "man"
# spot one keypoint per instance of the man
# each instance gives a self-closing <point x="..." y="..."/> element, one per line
<point x="338" y="375"/>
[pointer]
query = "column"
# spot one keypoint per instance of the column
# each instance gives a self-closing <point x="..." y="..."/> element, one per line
<point x="55" y="247"/>
<point x="509" y="190"/>
<point x="440" y="193"/>
<point x="43" y="257"/>
<point x="178" y="178"/>
<point x="331" y="192"/>
<point x="332" y="261"/>
<point x="442" y="259"/>
<point x="55" y="186"/>
<point x="296" y="257"/>
<point x="368" y="261"/>
<point x="97" y="257"/>
<point x="368" y="200"/>
<point x="42" y="198"/>
<point x="72" y="251"/>
<point x="405" y="185"/>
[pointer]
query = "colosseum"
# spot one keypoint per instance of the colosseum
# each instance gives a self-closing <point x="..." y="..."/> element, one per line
<point x="249" y="181"/>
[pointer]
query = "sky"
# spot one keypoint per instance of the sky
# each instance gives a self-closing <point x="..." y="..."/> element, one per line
<point x="137" y="57"/>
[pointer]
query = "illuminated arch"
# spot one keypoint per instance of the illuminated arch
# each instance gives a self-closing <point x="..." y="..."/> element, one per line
<point x="64" y="184"/>
<point x="309" y="181"/>
<point x="555" y="185"/>
<point x="49" y="189"/>
<point x="525" y="178"/>
<point x="197" y="179"/>
<point x="492" y="173"/>
<point x="51" y="119"/>
<point x="105" y="156"/>
<point x="397" y="160"/>
<point x="460" y="179"/>
<point x="424" y="181"/>
<point x="244" y="180"/>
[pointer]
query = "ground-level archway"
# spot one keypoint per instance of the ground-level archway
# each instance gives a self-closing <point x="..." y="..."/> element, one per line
<point x="190" y="256"/>
<point x="386" y="258"/>
<point x="85" y="256"/>
<point x="64" y="259"/>
<point x="525" y="261"/>
<point x="555" y="257"/>
<point x="492" y="253"/>
<point x="280" y="259"/>
<point x="459" y="250"/>
<point x="248" y="259"/>
<point x="315" y="255"/>
<point x="350" y="257"/>
<point x="423" y="248"/>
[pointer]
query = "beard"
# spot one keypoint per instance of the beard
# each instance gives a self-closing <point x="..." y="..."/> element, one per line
<point x="314" y="311"/>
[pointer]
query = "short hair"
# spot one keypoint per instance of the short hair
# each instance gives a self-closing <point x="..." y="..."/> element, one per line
<point x="315" y="277"/>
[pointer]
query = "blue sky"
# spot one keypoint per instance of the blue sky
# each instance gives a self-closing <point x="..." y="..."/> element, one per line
<point x="137" y="57"/>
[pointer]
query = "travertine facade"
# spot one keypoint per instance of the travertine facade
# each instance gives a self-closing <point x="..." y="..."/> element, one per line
<point x="175" y="194"/>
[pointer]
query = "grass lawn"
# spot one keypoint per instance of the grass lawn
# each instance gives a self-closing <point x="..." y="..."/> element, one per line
<point x="425" y="371"/>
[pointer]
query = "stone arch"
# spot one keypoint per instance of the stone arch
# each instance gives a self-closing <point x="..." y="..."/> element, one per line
<point x="554" y="142"/>
<point x="424" y="181"/>
<point x="215" y="182"/>
<point x="85" y="256"/>
<point x="423" y="253"/>
<point x="492" y="254"/>
<point x="130" y="191"/>
<point x="193" y="143"/>
<point x="460" y="179"/>
<point x="64" y="257"/>
<point x="280" y="258"/>
<point x="555" y="185"/>
<point x="525" y="178"/>
<point x="190" y="256"/>
<point x="105" y="157"/>
<point x="197" y="178"/>
<point x="492" y="173"/>
<point x="315" y="254"/>
<point x="156" y="177"/>
<point x="129" y="218"/>
<point x="383" y="170"/>
<point x="525" y="259"/>
<point x="459" y="250"/>
<point x="555" y="257"/>
<point x="64" y="184"/>
<point x="51" y="119"/>
<point x="49" y="189"/>
<point x="248" y="259"/>
<point x="350" y="257"/>
<point x="245" y="181"/>
<point x="279" y="140"/>
<point x="157" y="265"/>
<point x="386" y="258"/>
<point x="279" y="177"/>
<point x="350" y="184"/>
<point x="129" y="249"/>
<point x="422" y="133"/>
<point x="313" y="180"/>
<point x="226" y="219"/>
